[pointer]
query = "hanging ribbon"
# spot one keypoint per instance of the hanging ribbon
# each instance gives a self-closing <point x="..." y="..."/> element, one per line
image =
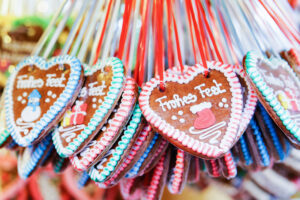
<point x="103" y="31"/>
<point x="126" y="20"/>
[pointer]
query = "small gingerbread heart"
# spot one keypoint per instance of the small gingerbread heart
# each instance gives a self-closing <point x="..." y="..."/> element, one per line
<point x="198" y="114"/>
<point x="37" y="95"/>
<point x="139" y="146"/>
<point x="99" y="95"/>
<point x="178" y="171"/>
<point x="30" y="157"/>
<point x="110" y="131"/>
<point x="108" y="165"/>
<point x="278" y="90"/>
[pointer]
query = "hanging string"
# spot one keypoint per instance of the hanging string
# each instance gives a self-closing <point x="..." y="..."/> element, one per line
<point x="192" y="38"/>
<point x="190" y="12"/>
<point x="58" y="31"/>
<point x="83" y="27"/>
<point x="203" y="17"/>
<point x="74" y="28"/>
<point x="89" y="33"/>
<point x="135" y="34"/>
<point x="141" y="54"/>
<point x="216" y="34"/>
<point x="233" y="31"/>
<point x="126" y="20"/>
<point x="103" y="31"/>
<point x="228" y="39"/>
<point x="159" y="39"/>
<point x="38" y="47"/>
<point x="204" y="41"/>
<point x="171" y="18"/>
<point x="279" y="22"/>
<point x="169" y="44"/>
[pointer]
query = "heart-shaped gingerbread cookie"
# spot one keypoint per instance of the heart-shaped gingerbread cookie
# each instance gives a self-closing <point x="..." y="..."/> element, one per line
<point x="37" y="95"/>
<point x="278" y="89"/>
<point x="198" y="114"/>
<point x="99" y="95"/>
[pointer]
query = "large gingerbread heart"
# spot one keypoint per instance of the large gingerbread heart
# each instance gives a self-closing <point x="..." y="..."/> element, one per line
<point x="278" y="89"/>
<point x="197" y="114"/>
<point x="37" y="95"/>
<point x="100" y="93"/>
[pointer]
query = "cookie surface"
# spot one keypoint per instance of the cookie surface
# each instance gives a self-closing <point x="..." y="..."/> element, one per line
<point x="110" y="131"/>
<point x="278" y="90"/>
<point x="101" y="91"/>
<point x="30" y="157"/>
<point x="108" y="164"/>
<point x="37" y="95"/>
<point x="195" y="113"/>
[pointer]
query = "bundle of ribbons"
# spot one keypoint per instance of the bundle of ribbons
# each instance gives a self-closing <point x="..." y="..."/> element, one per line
<point x="148" y="94"/>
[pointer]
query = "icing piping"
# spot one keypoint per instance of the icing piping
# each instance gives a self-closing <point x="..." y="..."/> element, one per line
<point x="108" y="135"/>
<point x="245" y="151"/>
<point x="4" y="136"/>
<point x="265" y="157"/>
<point x="267" y="92"/>
<point x="122" y="145"/>
<point x="230" y="165"/>
<point x="160" y="148"/>
<point x="272" y="131"/>
<point x="196" y="145"/>
<point x="133" y="151"/>
<point x="25" y="167"/>
<point x="177" y="173"/>
<point x="57" y="106"/>
<point x="157" y="175"/>
<point x="250" y="105"/>
<point x="83" y="180"/>
<point x="135" y="169"/>
<point x="116" y="85"/>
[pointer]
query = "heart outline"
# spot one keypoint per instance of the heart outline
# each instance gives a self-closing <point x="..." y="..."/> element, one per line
<point x="64" y="98"/>
<point x="194" y="146"/>
<point x="132" y="127"/>
<point x="26" y="167"/>
<point x="122" y="114"/>
<point x="266" y="92"/>
<point x="117" y="82"/>
<point x="250" y="105"/>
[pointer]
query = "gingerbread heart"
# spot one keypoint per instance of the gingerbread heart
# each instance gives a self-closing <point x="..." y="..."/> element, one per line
<point x="30" y="157"/>
<point x="278" y="89"/>
<point x="37" y="95"/>
<point x="113" y="159"/>
<point x="101" y="91"/>
<point x="293" y="58"/>
<point x="110" y="131"/>
<point x="189" y="97"/>
<point x="249" y="100"/>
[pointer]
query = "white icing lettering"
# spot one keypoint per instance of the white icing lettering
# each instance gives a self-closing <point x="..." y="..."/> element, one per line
<point x="53" y="81"/>
<point x="212" y="91"/>
<point x="96" y="91"/>
<point x="176" y="102"/>
<point x="271" y="79"/>
<point x="288" y="82"/>
<point x="26" y="81"/>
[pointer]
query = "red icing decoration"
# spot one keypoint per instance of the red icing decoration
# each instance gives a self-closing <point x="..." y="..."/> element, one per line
<point x="78" y="113"/>
<point x="205" y="119"/>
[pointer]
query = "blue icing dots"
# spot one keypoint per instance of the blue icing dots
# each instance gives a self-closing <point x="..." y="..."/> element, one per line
<point x="265" y="158"/>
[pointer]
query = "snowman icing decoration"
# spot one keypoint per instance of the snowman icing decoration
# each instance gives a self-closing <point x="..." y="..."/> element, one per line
<point x="32" y="111"/>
